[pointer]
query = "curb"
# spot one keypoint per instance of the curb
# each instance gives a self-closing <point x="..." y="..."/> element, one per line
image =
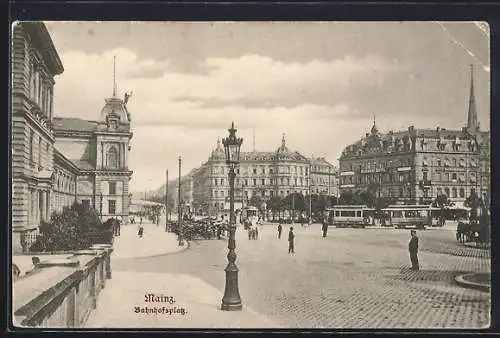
<point x="460" y="280"/>
<point x="187" y="246"/>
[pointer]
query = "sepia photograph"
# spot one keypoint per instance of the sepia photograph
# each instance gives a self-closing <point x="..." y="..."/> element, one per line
<point x="265" y="175"/>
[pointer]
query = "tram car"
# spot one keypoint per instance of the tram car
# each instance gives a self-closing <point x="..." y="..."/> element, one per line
<point x="409" y="216"/>
<point x="353" y="216"/>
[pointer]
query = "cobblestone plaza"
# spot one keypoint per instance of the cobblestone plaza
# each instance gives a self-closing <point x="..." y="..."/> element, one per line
<point x="351" y="279"/>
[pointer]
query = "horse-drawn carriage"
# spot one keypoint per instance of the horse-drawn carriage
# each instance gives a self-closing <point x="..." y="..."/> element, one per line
<point x="473" y="227"/>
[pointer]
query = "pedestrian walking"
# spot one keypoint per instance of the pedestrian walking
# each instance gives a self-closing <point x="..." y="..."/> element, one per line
<point x="324" y="228"/>
<point x="413" y="248"/>
<point x="291" y="238"/>
<point x="141" y="231"/>
<point x="280" y="228"/>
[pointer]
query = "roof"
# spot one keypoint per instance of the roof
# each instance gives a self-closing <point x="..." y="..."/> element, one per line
<point x="320" y="161"/>
<point x="73" y="124"/>
<point x="83" y="164"/>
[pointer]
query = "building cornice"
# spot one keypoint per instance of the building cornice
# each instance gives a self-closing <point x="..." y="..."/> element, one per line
<point x="73" y="134"/>
<point x="38" y="31"/>
<point x="113" y="133"/>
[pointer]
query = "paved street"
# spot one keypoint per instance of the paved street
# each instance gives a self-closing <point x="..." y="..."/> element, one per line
<point x="354" y="278"/>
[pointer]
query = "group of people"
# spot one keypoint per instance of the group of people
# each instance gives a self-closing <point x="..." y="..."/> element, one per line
<point x="291" y="238"/>
<point x="412" y="245"/>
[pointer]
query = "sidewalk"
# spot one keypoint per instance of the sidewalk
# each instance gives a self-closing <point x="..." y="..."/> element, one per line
<point x="196" y="304"/>
<point x="154" y="242"/>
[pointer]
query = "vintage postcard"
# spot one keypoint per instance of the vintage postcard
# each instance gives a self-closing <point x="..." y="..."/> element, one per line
<point x="251" y="175"/>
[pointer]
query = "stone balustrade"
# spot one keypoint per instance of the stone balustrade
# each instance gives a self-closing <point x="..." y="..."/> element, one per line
<point x="61" y="291"/>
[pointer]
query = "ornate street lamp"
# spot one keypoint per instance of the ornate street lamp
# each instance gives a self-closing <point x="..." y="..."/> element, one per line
<point x="231" y="300"/>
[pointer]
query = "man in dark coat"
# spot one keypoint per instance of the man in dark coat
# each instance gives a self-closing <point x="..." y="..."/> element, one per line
<point x="413" y="248"/>
<point x="280" y="228"/>
<point x="324" y="227"/>
<point x="291" y="238"/>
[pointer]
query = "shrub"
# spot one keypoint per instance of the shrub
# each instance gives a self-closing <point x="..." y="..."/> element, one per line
<point x="69" y="229"/>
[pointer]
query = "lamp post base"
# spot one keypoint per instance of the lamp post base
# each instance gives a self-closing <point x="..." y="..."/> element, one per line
<point x="231" y="300"/>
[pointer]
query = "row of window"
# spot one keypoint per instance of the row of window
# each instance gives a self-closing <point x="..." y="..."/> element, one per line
<point x="111" y="205"/>
<point x="33" y="142"/>
<point x="40" y="88"/>
<point x="438" y="162"/>
<point x="263" y="170"/>
<point x="64" y="182"/>
<point x="443" y="144"/>
<point x="263" y="193"/>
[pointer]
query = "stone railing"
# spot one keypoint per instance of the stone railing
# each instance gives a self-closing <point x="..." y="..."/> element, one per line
<point x="62" y="290"/>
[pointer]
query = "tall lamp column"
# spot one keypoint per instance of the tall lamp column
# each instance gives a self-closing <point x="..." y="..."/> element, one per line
<point x="232" y="300"/>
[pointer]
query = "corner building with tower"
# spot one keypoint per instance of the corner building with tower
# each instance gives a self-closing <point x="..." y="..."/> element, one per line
<point x="56" y="161"/>
<point x="416" y="165"/>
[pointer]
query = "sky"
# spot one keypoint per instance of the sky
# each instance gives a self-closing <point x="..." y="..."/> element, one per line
<point x="319" y="83"/>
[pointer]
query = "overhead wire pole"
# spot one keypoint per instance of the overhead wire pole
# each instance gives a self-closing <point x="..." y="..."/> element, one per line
<point x="166" y="200"/>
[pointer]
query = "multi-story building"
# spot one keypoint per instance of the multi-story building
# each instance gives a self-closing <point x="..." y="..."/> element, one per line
<point x="91" y="158"/>
<point x="418" y="164"/>
<point x="35" y="63"/>
<point x="324" y="178"/>
<point x="100" y="151"/>
<point x="262" y="174"/>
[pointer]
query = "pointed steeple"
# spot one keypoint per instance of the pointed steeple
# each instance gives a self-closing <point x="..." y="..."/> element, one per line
<point x="472" y="122"/>
<point x="283" y="142"/>
<point x="374" y="127"/>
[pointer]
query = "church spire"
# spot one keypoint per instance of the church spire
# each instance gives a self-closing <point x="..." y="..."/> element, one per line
<point x="283" y="142"/>
<point x="472" y="122"/>
<point x="374" y="127"/>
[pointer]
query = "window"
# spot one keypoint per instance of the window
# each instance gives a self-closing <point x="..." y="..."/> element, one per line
<point x="254" y="181"/>
<point x="454" y="177"/>
<point x="270" y="171"/>
<point x="112" y="188"/>
<point x="221" y="181"/>
<point x="221" y="193"/>
<point x="263" y="182"/>
<point x="39" y="150"/>
<point x="447" y="191"/>
<point x="111" y="207"/>
<point x="238" y="170"/>
<point x="263" y="193"/>
<point x="255" y="171"/>
<point x="271" y="193"/>
<point x="112" y="157"/>
<point x="215" y="181"/>
<point x="246" y="182"/>
<point x="263" y="170"/>
<point x="462" y="192"/>
<point x="31" y="146"/>
<point x="454" y="192"/>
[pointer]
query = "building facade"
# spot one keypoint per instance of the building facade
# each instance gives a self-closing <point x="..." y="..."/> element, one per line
<point x="263" y="175"/>
<point x="416" y="165"/>
<point x="35" y="64"/>
<point x="100" y="150"/>
<point x="57" y="161"/>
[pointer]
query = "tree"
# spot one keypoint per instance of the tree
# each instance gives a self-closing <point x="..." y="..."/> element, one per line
<point x="274" y="204"/>
<point x="474" y="202"/>
<point x="441" y="202"/>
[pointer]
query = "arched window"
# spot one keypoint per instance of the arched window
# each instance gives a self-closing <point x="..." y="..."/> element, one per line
<point x="112" y="157"/>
